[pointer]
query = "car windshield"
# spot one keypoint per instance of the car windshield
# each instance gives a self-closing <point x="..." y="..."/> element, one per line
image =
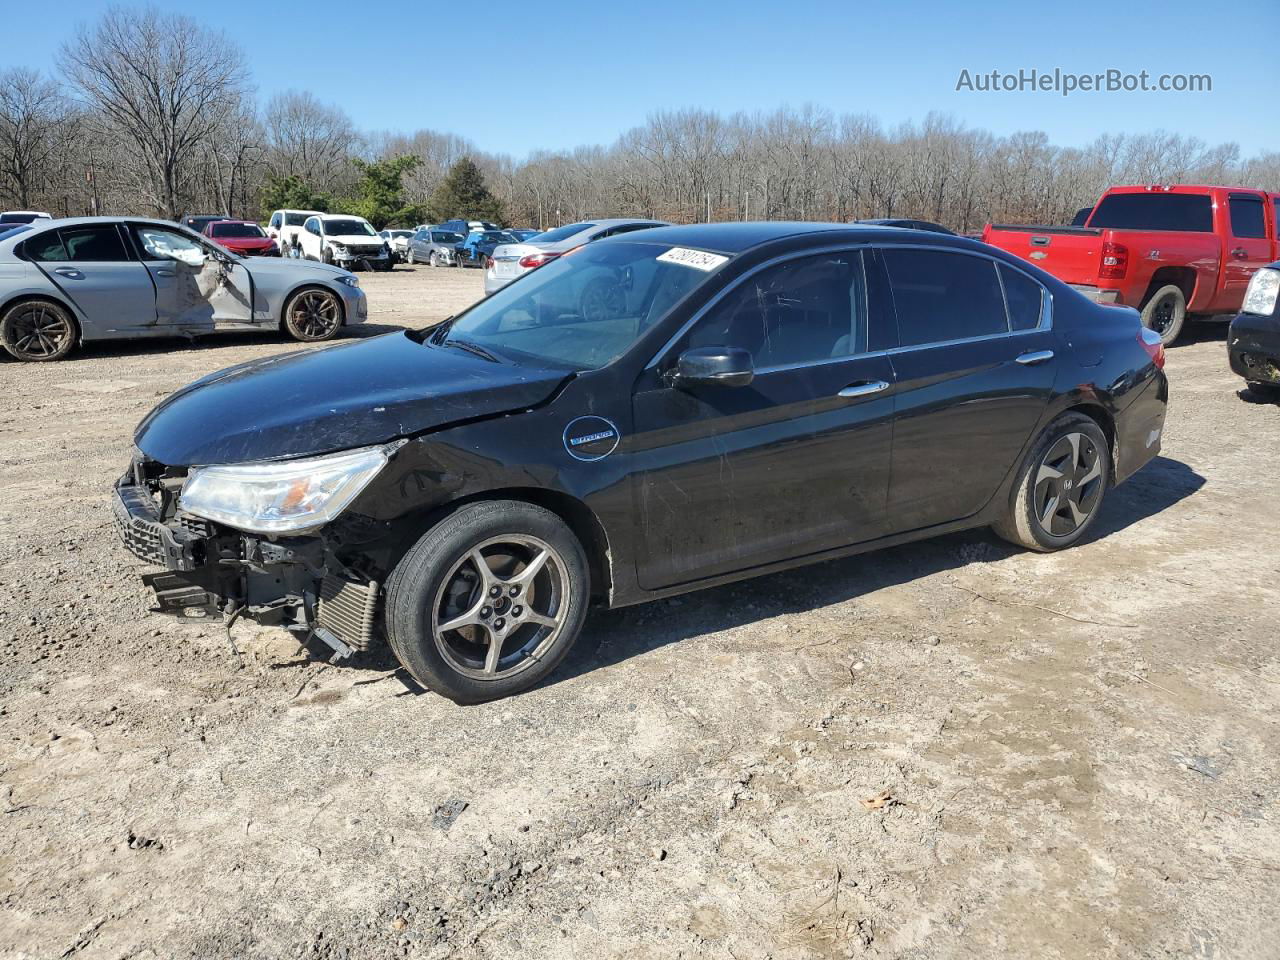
<point x="348" y="228"/>
<point x="401" y="233"/>
<point x="441" y="236"/>
<point x="586" y="308"/>
<point x="564" y="233"/>
<point x="235" y="230"/>
<point x="497" y="236"/>
<point x="297" y="219"/>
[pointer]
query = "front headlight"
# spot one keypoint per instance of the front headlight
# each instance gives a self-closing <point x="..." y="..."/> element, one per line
<point x="1264" y="287"/>
<point x="349" y="280"/>
<point x="290" y="496"/>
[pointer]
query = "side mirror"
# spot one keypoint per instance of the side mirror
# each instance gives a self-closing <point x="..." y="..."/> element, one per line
<point x="717" y="366"/>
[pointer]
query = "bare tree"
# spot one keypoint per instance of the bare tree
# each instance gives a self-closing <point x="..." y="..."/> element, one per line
<point x="164" y="84"/>
<point x="309" y="139"/>
<point x="34" y="121"/>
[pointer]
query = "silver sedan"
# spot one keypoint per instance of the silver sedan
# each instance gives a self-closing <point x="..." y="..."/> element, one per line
<point x="512" y="260"/>
<point x="65" y="282"/>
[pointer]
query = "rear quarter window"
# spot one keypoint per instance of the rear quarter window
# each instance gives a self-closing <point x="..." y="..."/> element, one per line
<point x="1024" y="298"/>
<point x="46" y="248"/>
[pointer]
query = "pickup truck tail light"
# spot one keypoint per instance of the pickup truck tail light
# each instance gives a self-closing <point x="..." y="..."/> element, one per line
<point x="531" y="260"/>
<point x="1151" y="343"/>
<point x="1115" y="261"/>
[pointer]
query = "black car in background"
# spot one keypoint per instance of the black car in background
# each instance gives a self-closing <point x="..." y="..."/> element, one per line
<point x="907" y="223"/>
<point x="1253" y="342"/>
<point x="198" y="221"/>
<point x="655" y="413"/>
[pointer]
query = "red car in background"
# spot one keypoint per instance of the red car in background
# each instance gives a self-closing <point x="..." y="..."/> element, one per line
<point x="1171" y="252"/>
<point x="243" y="237"/>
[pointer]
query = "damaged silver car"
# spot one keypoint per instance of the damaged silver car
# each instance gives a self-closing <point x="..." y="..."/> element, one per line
<point x="66" y="282"/>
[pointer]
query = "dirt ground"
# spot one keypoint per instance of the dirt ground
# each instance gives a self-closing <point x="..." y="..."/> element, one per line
<point x="1081" y="751"/>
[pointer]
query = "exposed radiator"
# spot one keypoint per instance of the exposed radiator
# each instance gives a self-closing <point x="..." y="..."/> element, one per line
<point x="348" y="609"/>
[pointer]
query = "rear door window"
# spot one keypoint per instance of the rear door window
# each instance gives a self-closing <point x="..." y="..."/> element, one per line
<point x="1248" y="219"/>
<point x="99" y="243"/>
<point x="942" y="296"/>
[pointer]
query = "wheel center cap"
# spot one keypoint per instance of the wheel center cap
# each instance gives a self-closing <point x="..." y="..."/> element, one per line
<point x="1068" y="484"/>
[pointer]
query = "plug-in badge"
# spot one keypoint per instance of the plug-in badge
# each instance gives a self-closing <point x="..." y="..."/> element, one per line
<point x="591" y="438"/>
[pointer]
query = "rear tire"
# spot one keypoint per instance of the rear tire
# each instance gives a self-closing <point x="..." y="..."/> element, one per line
<point x="1060" y="486"/>
<point x="535" y="622"/>
<point x="37" y="331"/>
<point x="1165" y="313"/>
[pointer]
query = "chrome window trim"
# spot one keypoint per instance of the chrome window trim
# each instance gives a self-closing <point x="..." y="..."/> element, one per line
<point x="1046" y="303"/>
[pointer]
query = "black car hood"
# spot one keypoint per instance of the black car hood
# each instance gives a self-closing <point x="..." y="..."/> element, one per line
<point x="318" y="401"/>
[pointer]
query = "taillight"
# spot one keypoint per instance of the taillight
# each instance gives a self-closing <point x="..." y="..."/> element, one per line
<point x="1151" y="343"/>
<point x="1115" y="261"/>
<point x="531" y="260"/>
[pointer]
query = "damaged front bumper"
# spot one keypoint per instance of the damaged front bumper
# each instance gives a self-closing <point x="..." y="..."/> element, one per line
<point x="209" y="571"/>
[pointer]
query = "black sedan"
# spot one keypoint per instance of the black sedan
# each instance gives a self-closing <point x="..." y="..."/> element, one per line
<point x="1253" y="344"/>
<point x="657" y="413"/>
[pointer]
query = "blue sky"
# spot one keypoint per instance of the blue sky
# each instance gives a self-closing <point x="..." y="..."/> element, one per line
<point x="516" y="76"/>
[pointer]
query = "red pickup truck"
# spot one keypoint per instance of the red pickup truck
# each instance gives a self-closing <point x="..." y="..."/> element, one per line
<point x="1170" y="252"/>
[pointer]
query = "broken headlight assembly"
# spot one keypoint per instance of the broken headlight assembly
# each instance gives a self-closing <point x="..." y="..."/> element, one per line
<point x="1264" y="287"/>
<point x="288" y="496"/>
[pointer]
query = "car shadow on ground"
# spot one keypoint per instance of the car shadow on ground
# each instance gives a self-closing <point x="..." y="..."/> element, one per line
<point x="611" y="636"/>
<point x="100" y="349"/>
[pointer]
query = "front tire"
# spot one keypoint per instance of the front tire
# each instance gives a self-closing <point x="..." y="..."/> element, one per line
<point x="410" y="258"/>
<point x="1060" y="487"/>
<point x="1165" y="313"/>
<point x="489" y="601"/>
<point x="313" y="315"/>
<point x="37" y="331"/>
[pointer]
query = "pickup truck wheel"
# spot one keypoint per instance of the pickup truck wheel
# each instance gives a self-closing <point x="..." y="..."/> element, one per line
<point x="489" y="601"/>
<point x="313" y="315"/>
<point x="1060" y="487"/>
<point x="1165" y="313"/>
<point x="37" y="331"/>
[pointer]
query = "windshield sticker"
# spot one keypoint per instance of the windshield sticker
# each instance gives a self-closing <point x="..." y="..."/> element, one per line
<point x="590" y="438"/>
<point x="698" y="259"/>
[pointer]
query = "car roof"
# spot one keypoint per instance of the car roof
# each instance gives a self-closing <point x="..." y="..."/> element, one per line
<point x="737" y="237"/>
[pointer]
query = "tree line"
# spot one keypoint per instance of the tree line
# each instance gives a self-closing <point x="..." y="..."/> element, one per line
<point x="151" y="113"/>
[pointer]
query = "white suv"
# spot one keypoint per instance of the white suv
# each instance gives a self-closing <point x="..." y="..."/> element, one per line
<point x="345" y="240"/>
<point x="284" y="227"/>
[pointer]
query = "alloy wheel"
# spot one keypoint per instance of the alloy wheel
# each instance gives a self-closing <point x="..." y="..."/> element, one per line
<point x="501" y="607"/>
<point x="38" y="332"/>
<point x="1068" y="485"/>
<point x="314" y="314"/>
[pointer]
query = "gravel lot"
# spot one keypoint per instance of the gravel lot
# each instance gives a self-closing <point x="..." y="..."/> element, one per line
<point x="1080" y="751"/>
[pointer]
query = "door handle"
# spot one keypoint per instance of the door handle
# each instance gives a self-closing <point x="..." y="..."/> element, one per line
<point x="165" y="273"/>
<point x="1034" y="357"/>
<point x="1239" y="253"/>
<point x="863" y="388"/>
<point x="71" y="273"/>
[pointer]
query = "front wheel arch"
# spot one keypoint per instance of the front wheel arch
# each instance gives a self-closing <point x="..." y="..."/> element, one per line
<point x="575" y="514"/>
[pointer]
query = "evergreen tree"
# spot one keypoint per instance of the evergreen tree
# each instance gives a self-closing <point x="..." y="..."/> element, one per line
<point x="379" y="194"/>
<point x="290" y="193"/>
<point x="462" y="194"/>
